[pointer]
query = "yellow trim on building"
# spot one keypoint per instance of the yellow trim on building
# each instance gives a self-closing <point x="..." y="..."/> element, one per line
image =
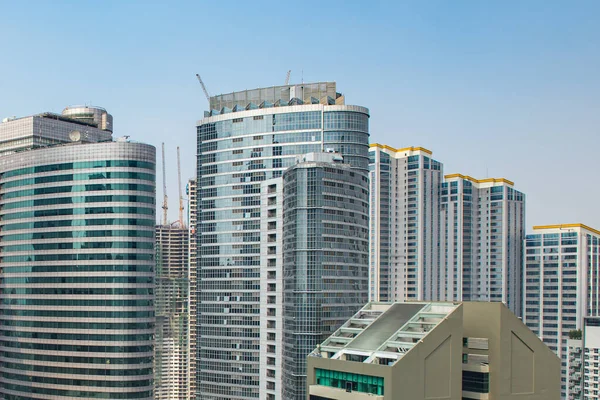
<point x="566" y="226"/>
<point x="390" y="148"/>
<point x="486" y="180"/>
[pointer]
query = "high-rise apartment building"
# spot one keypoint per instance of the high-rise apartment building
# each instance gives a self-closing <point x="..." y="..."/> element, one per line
<point x="172" y="353"/>
<point x="405" y="201"/>
<point x="77" y="261"/>
<point x="482" y="227"/>
<point x="442" y="238"/>
<point x="325" y="257"/>
<point x="192" y="193"/>
<point x="583" y="361"/>
<point x="562" y="283"/>
<point x="247" y="138"/>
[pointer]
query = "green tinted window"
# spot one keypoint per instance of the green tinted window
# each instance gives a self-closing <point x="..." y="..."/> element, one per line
<point x="79" y="199"/>
<point x="78" y="165"/>
<point x="77" y="177"/>
<point x="79" y="222"/>
<point x="79" y="188"/>
<point x="342" y="380"/>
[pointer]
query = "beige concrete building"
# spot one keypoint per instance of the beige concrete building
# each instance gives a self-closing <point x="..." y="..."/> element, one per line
<point x="425" y="350"/>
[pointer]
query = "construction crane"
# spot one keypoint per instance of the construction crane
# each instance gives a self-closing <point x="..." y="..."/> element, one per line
<point x="182" y="224"/>
<point x="165" y="207"/>
<point x="287" y="77"/>
<point x="203" y="87"/>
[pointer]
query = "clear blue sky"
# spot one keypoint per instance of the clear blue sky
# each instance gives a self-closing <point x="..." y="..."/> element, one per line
<point x="494" y="88"/>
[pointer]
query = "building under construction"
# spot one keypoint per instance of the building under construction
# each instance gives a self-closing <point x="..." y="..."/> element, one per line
<point x="172" y="355"/>
<point x="172" y="358"/>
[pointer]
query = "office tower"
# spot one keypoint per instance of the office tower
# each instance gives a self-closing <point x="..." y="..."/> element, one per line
<point x="562" y="283"/>
<point x="423" y="350"/>
<point x="77" y="262"/>
<point x="482" y="227"/>
<point x="583" y="361"/>
<point x="191" y="191"/>
<point x="405" y="185"/>
<point x="48" y="129"/>
<point x="249" y="137"/>
<point x="171" y="351"/>
<point x="325" y="257"/>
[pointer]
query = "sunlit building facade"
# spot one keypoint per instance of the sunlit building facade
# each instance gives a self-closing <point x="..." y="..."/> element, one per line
<point x="325" y="257"/>
<point x="404" y="223"/>
<point x="76" y="266"/>
<point x="561" y="284"/>
<point x="482" y="227"/>
<point x="247" y="138"/>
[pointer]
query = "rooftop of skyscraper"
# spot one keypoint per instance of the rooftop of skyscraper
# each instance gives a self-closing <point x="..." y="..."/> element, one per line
<point x="275" y="96"/>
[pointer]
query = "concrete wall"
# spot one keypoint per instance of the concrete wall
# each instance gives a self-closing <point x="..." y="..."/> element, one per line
<point x="521" y="366"/>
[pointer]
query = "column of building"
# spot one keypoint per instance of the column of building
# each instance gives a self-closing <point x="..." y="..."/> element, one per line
<point x="192" y="194"/>
<point x="482" y="228"/>
<point x="404" y="238"/>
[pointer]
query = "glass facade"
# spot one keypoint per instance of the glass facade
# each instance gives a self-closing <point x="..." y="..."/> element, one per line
<point x="76" y="272"/>
<point x="325" y="260"/>
<point x="347" y="380"/>
<point x="236" y="152"/>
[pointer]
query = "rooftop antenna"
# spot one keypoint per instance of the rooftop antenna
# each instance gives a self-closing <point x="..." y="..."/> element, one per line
<point x="287" y="78"/>
<point x="182" y="224"/>
<point x="203" y="87"/>
<point x="165" y="207"/>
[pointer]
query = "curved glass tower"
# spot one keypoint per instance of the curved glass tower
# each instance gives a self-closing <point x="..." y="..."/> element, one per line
<point x="325" y="258"/>
<point x="249" y="137"/>
<point x="76" y="272"/>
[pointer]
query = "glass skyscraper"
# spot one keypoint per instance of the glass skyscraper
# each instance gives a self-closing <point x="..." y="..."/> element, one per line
<point x="325" y="258"/>
<point x="249" y="137"/>
<point x="76" y="263"/>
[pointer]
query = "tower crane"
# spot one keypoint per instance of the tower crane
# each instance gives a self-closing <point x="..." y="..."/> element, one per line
<point x="181" y="222"/>
<point x="165" y="207"/>
<point x="287" y="77"/>
<point x="203" y="87"/>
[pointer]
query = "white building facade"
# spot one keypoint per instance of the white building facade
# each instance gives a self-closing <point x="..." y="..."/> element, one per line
<point x="482" y="228"/>
<point x="432" y="237"/>
<point x="404" y="224"/>
<point x="561" y="283"/>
